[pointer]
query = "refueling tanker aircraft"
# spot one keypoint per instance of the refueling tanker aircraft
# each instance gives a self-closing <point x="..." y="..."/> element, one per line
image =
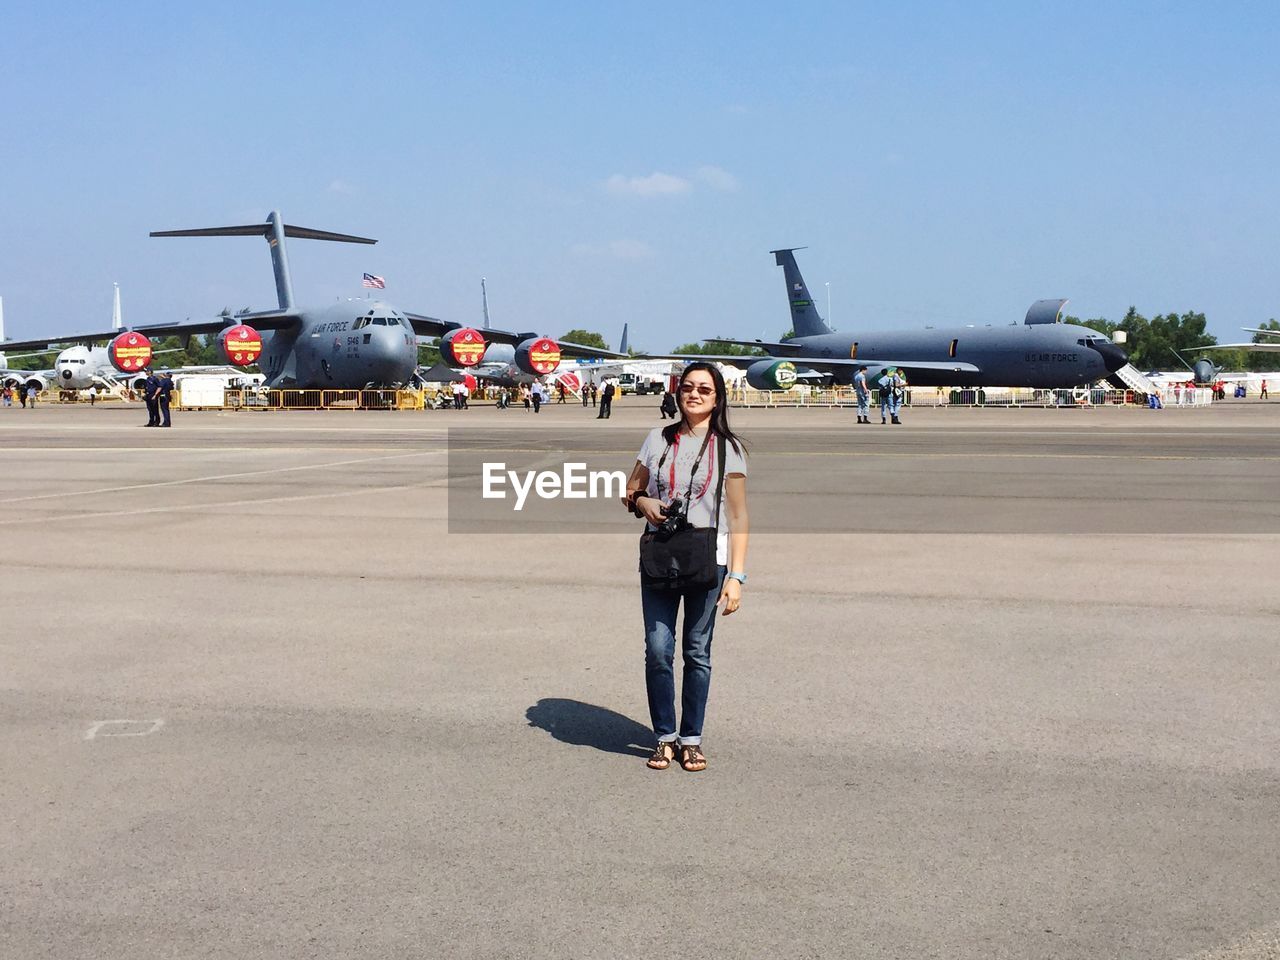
<point x="350" y="344"/>
<point x="1040" y="352"/>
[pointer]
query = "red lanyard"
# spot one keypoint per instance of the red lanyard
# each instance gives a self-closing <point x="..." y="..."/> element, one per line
<point x="674" y="449"/>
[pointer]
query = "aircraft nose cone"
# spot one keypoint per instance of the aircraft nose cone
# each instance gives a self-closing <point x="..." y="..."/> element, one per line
<point x="392" y="357"/>
<point x="1112" y="356"/>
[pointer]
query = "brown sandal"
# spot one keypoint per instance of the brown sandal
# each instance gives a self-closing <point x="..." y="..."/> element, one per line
<point x="692" y="758"/>
<point x="663" y="754"/>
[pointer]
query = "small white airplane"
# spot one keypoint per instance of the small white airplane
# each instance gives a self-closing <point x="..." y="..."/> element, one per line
<point x="121" y="364"/>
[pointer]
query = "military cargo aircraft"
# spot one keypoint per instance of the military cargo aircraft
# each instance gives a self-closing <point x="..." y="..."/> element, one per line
<point x="1042" y="351"/>
<point x="350" y="344"/>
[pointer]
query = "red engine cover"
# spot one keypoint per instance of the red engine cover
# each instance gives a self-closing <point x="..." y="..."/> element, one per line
<point x="241" y="345"/>
<point x="463" y="348"/>
<point x="538" y="356"/>
<point x="130" y="352"/>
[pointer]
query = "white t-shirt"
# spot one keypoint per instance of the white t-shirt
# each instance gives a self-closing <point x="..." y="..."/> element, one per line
<point x="682" y="455"/>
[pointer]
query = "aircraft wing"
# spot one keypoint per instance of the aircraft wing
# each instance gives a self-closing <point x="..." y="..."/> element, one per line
<point x="1252" y="347"/>
<point x="431" y="327"/>
<point x="784" y="348"/>
<point x="24" y="356"/>
<point x="269" y="320"/>
<point x="8" y="374"/>
<point x="825" y="364"/>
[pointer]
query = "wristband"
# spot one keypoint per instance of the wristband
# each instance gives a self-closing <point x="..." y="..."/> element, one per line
<point x="740" y="577"/>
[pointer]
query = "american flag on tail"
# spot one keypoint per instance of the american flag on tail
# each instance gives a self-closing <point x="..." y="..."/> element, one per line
<point x="378" y="283"/>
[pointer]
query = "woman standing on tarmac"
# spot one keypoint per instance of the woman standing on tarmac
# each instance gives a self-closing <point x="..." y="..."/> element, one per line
<point x="690" y="484"/>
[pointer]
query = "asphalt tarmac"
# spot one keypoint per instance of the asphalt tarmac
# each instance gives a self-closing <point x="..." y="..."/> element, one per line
<point x="1016" y="699"/>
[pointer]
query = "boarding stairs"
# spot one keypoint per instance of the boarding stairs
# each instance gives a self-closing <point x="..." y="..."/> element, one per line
<point x="1130" y="377"/>
<point x="115" y="388"/>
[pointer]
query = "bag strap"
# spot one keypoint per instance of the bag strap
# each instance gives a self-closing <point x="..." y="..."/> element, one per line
<point x="720" y="451"/>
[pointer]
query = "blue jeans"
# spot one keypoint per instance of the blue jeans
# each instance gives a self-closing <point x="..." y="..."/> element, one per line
<point x="660" y="608"/>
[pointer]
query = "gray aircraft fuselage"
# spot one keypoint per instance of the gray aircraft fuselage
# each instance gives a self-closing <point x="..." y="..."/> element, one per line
<point x="345" y="345"/>
<point x="1015" y="355"/>
<point x="1039" y="352"/>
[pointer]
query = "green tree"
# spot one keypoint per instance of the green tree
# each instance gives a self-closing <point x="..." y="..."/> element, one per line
<point x="1258" y="360"/>
<point x="586" y="338"/>
<point x="428" y="356"/>
<point x="724" y="349"/>
<point x="1163" y="342"/>
<point x="41" y="361"/>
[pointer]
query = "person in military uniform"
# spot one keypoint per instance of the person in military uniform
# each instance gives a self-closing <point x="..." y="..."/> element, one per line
<point x="164" y="391"/>
<point x="150" y="393"/>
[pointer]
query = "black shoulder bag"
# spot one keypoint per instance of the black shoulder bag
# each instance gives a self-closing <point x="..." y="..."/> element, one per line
<point x="685" y="559"/>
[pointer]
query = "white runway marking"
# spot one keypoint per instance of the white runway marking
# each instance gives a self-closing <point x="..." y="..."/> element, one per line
<point x="219" y="476"/>
<point x="102" y="728"/>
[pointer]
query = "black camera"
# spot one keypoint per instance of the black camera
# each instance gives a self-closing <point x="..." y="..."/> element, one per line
<point x="677" y="519"/>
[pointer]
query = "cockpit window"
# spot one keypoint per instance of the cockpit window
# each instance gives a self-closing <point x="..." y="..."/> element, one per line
<point x="379" y="321"/>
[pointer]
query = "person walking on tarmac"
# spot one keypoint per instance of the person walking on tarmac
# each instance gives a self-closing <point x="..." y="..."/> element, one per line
<point x="899" y="394"/>
<point x="863" y="395"/>
<point x="164" y="392"/>
<point x="890" y="398"/>
<point x="668" y="407"/>
<point x="606" y="401"/>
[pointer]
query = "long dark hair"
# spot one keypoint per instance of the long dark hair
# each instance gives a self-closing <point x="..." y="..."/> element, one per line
<point x="720" y="413"/>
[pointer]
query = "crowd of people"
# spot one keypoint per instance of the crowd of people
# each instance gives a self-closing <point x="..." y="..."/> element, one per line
<point x="533" y="396"/>
<point x="26" y="396"/>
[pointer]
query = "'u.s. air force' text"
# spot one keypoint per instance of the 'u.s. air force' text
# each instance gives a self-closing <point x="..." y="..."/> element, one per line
<point x="1052" y="357"/>
<point x="572" y="482"/>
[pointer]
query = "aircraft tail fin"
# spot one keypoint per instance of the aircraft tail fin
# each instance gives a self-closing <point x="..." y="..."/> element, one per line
<point x="274" y="230"/>
<point x="805" y="319"/>
<point x="622" y="347"/>
<point x="116" y="321"/>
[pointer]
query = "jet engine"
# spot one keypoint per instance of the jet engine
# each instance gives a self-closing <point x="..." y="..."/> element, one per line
<point x="463" y="348"/>
<point x="772" y="375"/>
<point x="40" y="383"/>
<point x="241" y="344"/>
<point x="538" y="355"/>
<point x="130" y="352"/>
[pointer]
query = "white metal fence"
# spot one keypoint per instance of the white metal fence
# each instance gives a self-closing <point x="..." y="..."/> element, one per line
<point x="806" y="396"/>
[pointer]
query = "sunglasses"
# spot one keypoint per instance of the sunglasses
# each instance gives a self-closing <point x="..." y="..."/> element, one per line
<point x="702" y="389"/>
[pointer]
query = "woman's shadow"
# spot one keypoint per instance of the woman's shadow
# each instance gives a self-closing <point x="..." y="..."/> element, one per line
<point x="586" y="725"/>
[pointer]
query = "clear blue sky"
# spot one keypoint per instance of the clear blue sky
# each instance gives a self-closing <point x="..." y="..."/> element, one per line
<point x="602" y="163"/>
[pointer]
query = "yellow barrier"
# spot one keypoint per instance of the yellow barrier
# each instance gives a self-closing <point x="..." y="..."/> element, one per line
<point x="321" y="399"/>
